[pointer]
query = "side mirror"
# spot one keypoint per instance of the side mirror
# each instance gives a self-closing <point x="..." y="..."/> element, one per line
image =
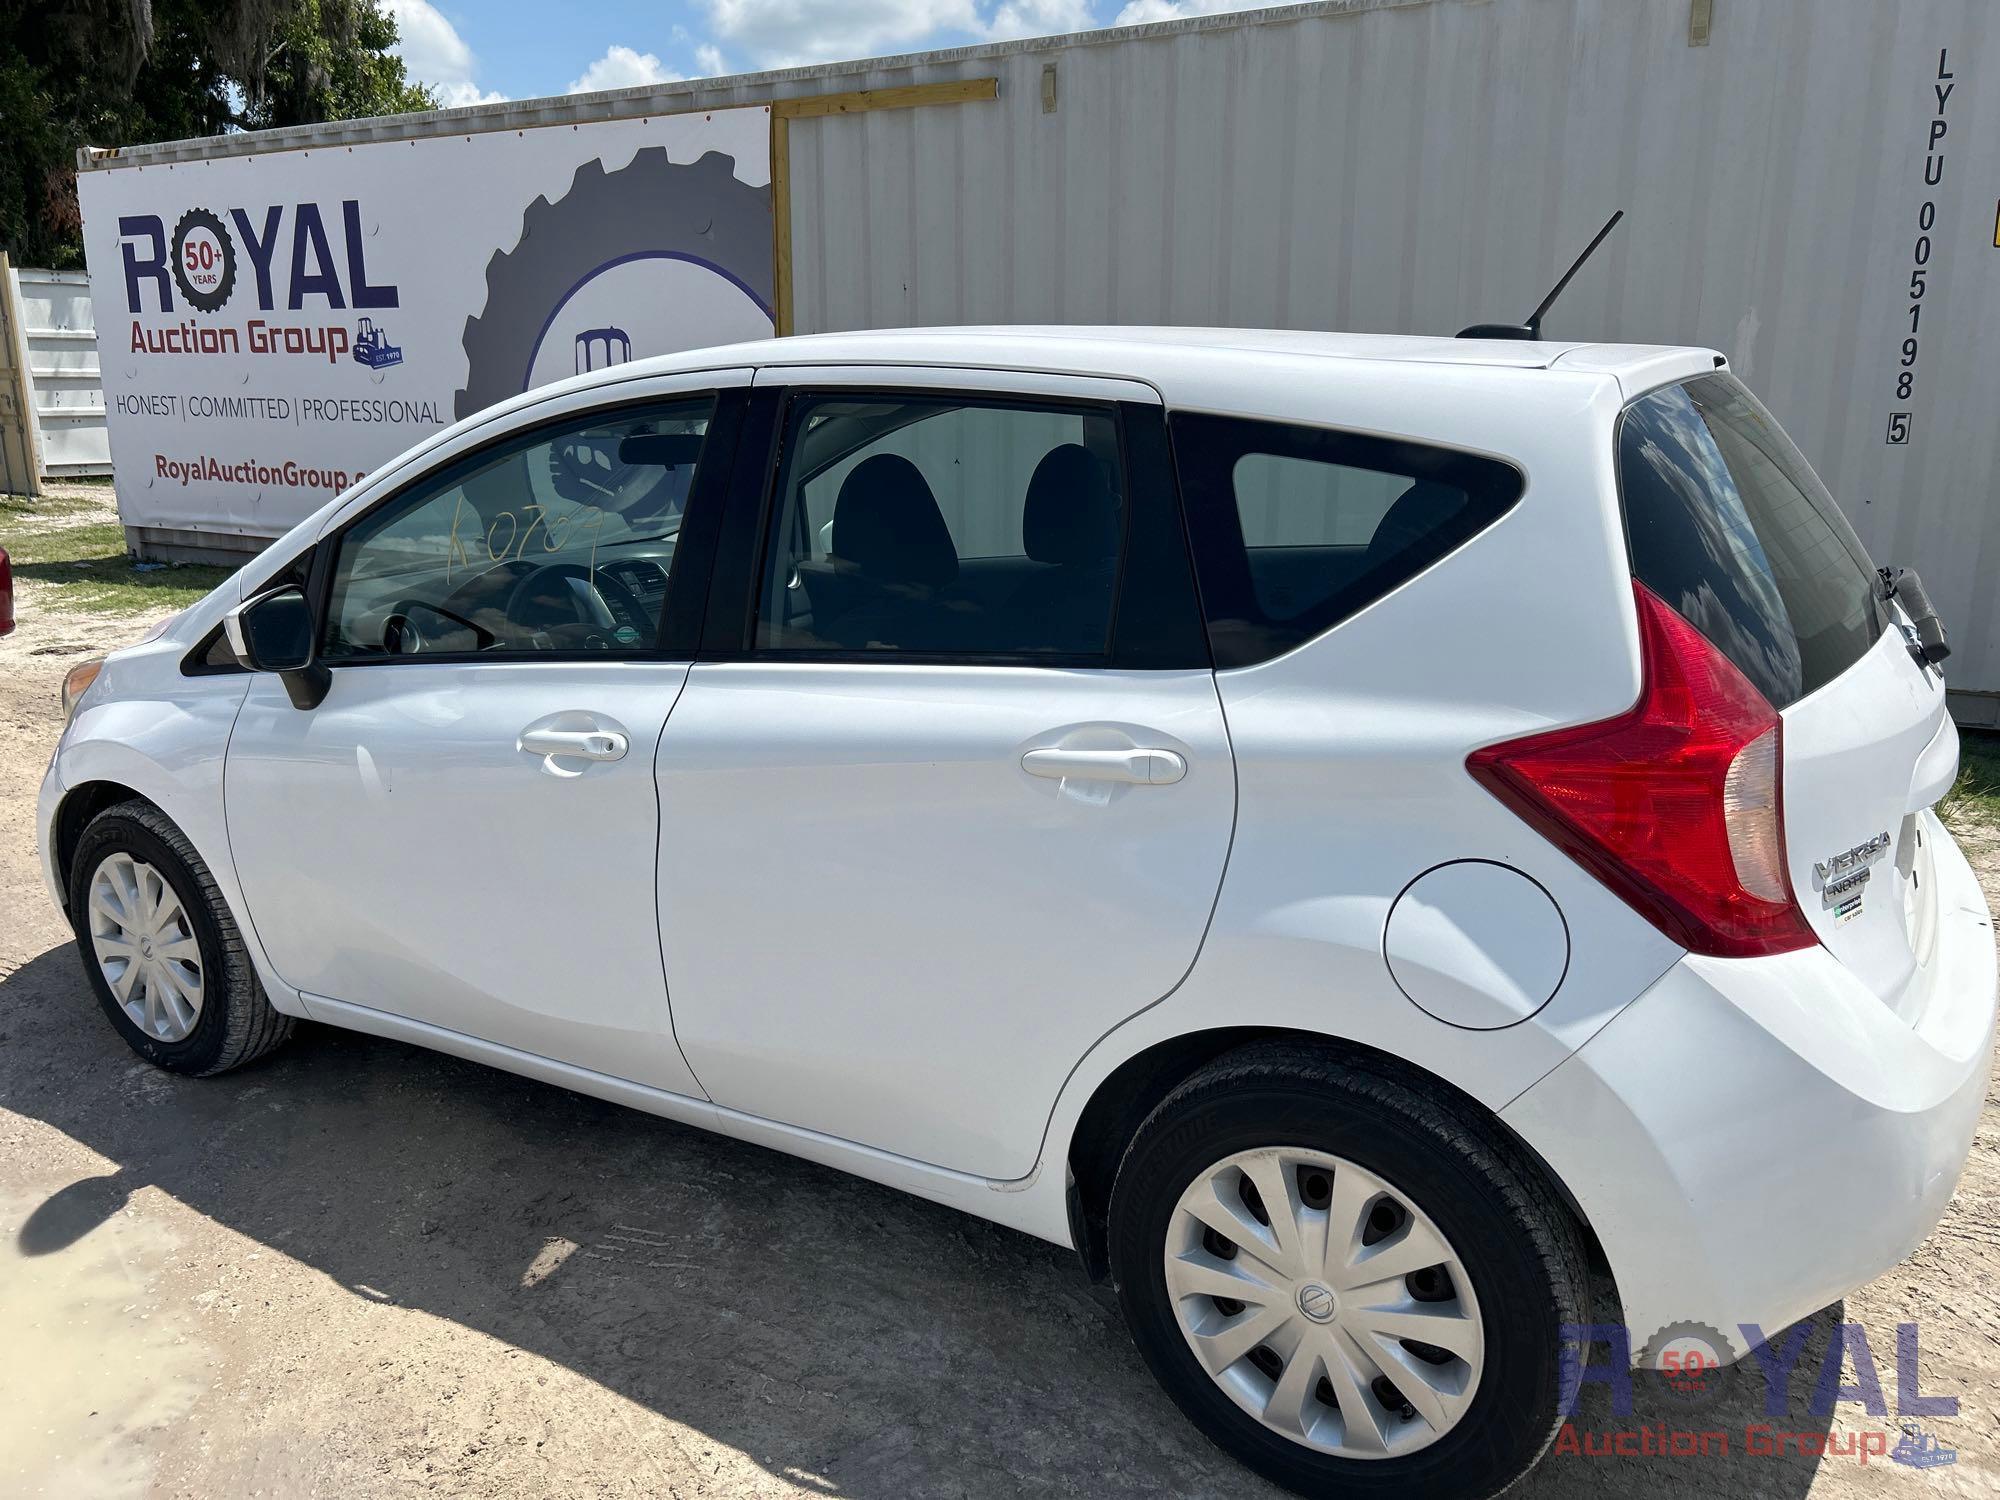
<point x="274" y="633"/>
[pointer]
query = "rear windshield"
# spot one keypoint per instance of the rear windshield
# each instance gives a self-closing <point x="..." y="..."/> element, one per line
<point x="1728" y="523"/>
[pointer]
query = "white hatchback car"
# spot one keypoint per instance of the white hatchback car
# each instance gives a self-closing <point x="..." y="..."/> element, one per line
<point x="1345" y="832"/>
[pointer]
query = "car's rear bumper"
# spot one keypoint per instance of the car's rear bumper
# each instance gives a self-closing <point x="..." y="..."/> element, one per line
<point x="1753" y="1138"/>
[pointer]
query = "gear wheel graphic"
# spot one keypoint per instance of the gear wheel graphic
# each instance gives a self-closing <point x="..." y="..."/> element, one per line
<point x="652" y="206"/>
<point x="1685" y="1363"/>
<point x="203" y="300"/>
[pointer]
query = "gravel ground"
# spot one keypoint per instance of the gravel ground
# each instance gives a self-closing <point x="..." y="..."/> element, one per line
<point x="362" y="1269"/>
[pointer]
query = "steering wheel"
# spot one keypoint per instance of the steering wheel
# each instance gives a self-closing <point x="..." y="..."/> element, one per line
<point x="404" y="635"/>
<point x="588" y="596"/>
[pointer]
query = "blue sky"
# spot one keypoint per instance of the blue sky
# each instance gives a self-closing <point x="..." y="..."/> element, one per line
<point x="473" y="51"/>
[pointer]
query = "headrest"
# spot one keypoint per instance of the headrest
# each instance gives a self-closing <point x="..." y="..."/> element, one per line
<point x="887" y="524"/>
<point x="1070" y="514"/>
<point x="1423" y="510"/>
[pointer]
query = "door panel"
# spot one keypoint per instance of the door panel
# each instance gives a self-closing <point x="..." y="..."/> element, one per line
<point x="464" y="832"/>
<point x="400" y="849"/>
<point x="929" y="828"/>
<point x="883" y="926"/>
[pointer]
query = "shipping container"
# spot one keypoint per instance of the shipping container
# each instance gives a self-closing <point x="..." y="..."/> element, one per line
<point x="1810" y="188"/>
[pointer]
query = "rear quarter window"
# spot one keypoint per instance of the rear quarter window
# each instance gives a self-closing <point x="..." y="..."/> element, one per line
<point x="1295" y="528"/>
<point x="1727" y="523"/>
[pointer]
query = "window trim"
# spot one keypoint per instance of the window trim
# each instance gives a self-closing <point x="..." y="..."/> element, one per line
<point x="196" y="664"/>
<point x="297" y="572"/>
<point x="1215" y="524"/>
<point x="1146" y="515"/>
<point x="673" y="640"/>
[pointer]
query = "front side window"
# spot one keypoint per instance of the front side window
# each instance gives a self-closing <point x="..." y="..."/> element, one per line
<point x="560" y="541"/>
<point x="1297" y="528"/>
<point x="1728" y="524"/>
<point x="944" y="526"/>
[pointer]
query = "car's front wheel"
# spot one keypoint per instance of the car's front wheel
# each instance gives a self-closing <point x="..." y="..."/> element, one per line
<point x="1345" y="1279"/>
<point x="162" y="952"/>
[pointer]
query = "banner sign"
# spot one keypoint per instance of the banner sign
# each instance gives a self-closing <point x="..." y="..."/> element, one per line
<point x="272" y="327"/>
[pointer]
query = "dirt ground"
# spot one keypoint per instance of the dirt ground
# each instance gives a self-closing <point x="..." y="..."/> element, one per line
<point x="360" y="1269"/>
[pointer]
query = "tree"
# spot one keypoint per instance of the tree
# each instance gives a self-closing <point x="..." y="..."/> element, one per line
<point x="331" y="61"/>
<point x="123" y="72"/>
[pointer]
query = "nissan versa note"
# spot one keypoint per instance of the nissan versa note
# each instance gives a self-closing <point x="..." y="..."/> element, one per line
<point x="1348" y="833"/>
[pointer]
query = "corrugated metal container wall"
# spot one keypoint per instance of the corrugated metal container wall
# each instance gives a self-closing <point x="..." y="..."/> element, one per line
<point x="1417" y="167"/>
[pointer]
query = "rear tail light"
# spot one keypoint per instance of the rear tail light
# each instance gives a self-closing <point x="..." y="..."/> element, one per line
<point x="1675" y="804"/>
<point x="1753" y="821"/>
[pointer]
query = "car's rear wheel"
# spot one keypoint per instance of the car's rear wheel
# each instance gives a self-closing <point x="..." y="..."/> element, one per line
<point x="1346" y="1279"/>
<point x="161" y="950"/>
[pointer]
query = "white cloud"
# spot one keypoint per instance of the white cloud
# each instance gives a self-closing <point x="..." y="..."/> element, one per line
<point x="429" y="44"/>
<point x="1014" y="18"/>
<point x="434" y="53"/>
<point x="1140" y="11"/>
<point x="463" y="92"/>
<point x="622" y="68"/>
<point x="708" y="58"/>
<point x="782" y="33"/>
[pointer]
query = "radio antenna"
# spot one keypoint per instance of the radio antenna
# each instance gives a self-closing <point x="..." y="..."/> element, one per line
<point x="1532" y="329"/>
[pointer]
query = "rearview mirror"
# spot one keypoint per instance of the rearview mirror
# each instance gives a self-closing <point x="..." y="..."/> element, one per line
<point x="274" y="633"/>
<point x="671" y="450"/>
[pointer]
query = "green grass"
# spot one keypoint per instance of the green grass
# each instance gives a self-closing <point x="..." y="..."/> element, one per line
<point x="1976" y="794"/>
<point x="82" y="565"/>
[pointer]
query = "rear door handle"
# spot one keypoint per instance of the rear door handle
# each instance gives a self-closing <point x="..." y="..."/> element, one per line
<point x="578" y="744"/>
<point x="1138" y="767"/>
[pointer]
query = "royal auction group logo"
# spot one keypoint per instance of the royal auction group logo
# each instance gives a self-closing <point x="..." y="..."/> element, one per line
<point x="294" y="255"/>
<point x="286" y="258"/>
<point x="203" y="260"/>
<point x="654" y="256"/>
<point x="1690" y="1359"/>
<point x="1689" y="1364"/>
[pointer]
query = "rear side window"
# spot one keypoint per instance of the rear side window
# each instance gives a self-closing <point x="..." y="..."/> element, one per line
<point x="1297" y="528"/>
<point x="944" y="526"/>
<point x="1728" y="523"/>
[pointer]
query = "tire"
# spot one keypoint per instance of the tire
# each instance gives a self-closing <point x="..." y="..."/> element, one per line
<point x="1280" y="1110"/>
<point x="652" y="206"/>
<point x="233" y="1023"/>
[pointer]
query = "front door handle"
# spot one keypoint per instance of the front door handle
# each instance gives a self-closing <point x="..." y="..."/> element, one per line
<point x="1138" y="767"/>
<point x="577" y="744"/>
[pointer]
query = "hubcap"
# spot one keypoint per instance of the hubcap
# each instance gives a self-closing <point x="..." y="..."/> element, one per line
<point x="1324" y="1302"/>
<point x="1317" y="1302"/>
<point x="145" y="947"/>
